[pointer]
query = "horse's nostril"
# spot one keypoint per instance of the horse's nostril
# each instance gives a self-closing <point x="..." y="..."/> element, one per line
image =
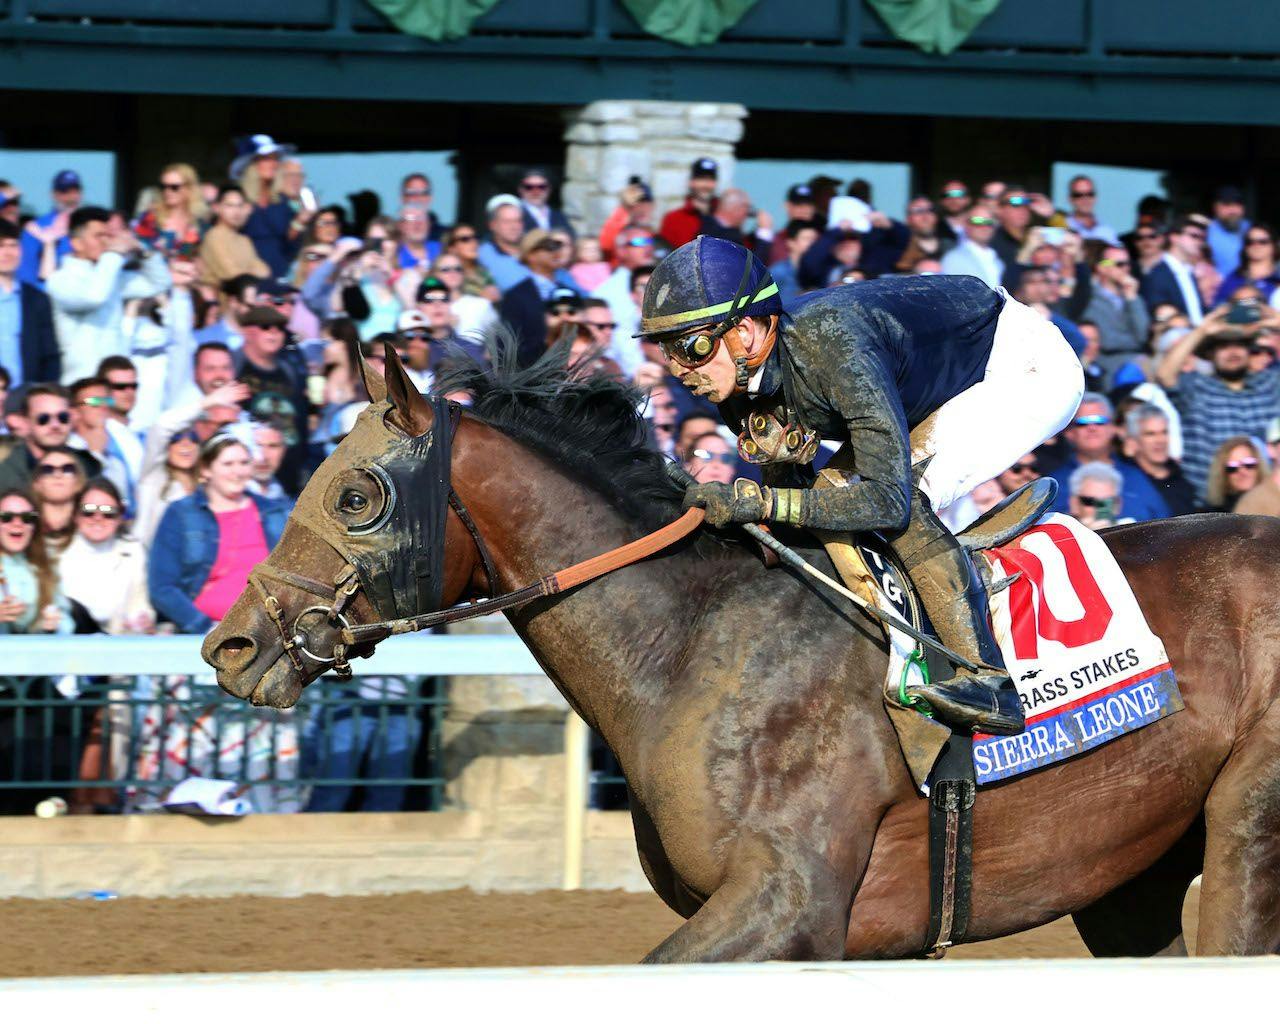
<point x="234" y="653"/>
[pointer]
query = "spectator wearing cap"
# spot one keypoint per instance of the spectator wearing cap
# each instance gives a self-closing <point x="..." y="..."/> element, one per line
<point x="975" y="255"/>
<point x="1114" y="306"/>
<point x="1146" y="444"/>
<point x="416" y="250"/>
<point x="28" y="345"/>
<point x="955" y="203"/>
<point x="413" y="343"/>
<point x="534" y="191"/>
<point x="684" y="223"/>
<point x="729" y="218"/>
<point x="1264" y="499"/>
<point x="431" y="325"/>
<point x="50" y="231"/>
<point x="274" y="227"/>
<point x="925" y="242"/>
<point x="634" y="209"/>
<point x="416" y="190"/>
<point x="473" y="315"/>
<point x="500" y="254"/>
<point x="1231" y="400"/>
<point x="1091" y="438"/>
<point x="523" y="306"/>
<point x="799" y="207"/>
<point x="91" y="287"/>
<point x="1227" y="229"/>
<point x="1173" y="279"/>
<point x="276" y="376"/>
<point x="800" y="234"/>
<point x="226" y="251"/>
<point x="1082" y="193"/>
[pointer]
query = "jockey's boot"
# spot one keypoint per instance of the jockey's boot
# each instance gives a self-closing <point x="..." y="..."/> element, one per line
<point x="956" y="602"/>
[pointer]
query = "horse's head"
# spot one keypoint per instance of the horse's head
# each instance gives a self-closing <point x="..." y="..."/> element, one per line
<point x="364" y="544"/>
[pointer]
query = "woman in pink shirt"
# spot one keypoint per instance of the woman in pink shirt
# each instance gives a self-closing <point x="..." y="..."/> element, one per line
<point x="207" y="543"/>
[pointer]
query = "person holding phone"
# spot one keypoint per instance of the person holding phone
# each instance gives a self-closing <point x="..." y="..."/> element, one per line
<point x="1096" y="499"/>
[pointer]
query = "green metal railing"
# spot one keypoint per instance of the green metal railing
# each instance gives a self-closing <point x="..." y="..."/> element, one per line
<point x="123" y="743"/>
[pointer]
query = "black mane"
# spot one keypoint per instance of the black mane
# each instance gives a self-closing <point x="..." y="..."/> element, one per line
<point x="589" y="426"/>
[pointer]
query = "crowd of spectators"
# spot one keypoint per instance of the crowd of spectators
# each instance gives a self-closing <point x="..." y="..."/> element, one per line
<point x="170" y="375"/>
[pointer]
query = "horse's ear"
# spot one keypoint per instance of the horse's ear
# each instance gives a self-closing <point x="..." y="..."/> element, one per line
<point x="413" y="411"/>
<point x="373" y="380"/>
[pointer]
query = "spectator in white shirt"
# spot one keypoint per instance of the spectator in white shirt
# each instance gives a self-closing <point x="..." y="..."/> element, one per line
<point x="974" y="255"/>
<point x="108" y="265"/>
<point x="1083" y="220"/>
<point x="635" y="250"/>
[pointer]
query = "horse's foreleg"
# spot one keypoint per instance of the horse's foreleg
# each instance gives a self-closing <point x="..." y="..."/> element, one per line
<point x="1240" y="894"/>
<point x="776" y="906"/>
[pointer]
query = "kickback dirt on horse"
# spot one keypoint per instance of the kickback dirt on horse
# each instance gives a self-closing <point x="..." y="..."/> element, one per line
<point x="771" y="803"/>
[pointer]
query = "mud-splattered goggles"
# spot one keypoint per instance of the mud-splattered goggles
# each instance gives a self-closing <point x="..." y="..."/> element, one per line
<point x="693" y="350"/>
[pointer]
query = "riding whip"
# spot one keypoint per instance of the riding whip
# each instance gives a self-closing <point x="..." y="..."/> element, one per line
<point x="795" y="561"/>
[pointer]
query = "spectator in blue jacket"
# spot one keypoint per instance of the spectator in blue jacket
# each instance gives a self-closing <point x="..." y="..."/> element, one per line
<point x="1091" y="437"/>
<point x="207" y="543"/>
<point x="50" y="228"/>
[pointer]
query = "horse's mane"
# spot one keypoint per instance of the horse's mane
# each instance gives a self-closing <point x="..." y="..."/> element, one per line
<point x="590" y="426"/>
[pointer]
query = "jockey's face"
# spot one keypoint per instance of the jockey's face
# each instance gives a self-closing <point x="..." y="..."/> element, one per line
<point x="714" y="379"/>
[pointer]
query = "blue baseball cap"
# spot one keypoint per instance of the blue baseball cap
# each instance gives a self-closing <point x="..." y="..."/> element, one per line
<point x="65" y="181"/>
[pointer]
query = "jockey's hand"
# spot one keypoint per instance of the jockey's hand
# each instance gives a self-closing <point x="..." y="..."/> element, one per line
<point x="742" y="502"/>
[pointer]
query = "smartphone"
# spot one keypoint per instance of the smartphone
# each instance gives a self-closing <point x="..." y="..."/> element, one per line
<point x="1053" y="236"/>
<point x="1244" y="311"/>
<point x="308" y="198"/>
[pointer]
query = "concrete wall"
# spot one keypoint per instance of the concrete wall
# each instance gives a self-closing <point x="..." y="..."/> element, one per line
<point x="291" y="855"/>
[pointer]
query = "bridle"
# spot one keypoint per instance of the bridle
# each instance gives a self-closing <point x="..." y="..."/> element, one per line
<point x="359" y="640"/>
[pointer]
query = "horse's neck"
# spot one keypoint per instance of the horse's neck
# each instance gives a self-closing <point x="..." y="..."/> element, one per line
<point x="602" y="643"/>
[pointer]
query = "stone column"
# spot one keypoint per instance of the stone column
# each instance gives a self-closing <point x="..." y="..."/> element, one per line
<point x="502" y="744"/>
<point x="610" y="140"/>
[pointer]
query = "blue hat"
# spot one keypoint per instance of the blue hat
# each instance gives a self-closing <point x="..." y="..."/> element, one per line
<point x="65" y="181"/>
<point x="704" y="167"/>
<point x="1129" y="373"/>
<point x="250" y="148"/>
<point x="707" y="281"/>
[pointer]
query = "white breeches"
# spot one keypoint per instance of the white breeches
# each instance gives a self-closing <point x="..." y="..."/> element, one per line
<point x="1031" y="390"/>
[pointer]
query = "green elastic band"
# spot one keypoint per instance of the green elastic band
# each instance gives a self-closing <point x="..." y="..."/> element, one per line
<point x="909" y="700"/>
<point x="662" y="323"/>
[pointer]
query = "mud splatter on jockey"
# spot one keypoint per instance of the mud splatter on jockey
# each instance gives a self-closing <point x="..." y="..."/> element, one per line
<point x="866" y="364"/>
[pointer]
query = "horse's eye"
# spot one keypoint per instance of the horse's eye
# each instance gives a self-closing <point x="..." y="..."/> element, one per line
<point x="353" y="502"/>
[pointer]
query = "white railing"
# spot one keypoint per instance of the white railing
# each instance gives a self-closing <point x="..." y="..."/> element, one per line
<point x="908" y="992"/>
<point x="421" y="654"/>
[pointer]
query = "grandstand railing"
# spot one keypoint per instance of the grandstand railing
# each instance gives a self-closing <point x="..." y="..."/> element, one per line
<point x="123" y="740"/>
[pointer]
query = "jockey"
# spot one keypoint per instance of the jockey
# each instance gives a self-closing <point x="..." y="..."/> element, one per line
<point x="865" y="364"/>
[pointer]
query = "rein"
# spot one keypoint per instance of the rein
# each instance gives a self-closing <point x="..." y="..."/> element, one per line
<point x="358" y="640"/>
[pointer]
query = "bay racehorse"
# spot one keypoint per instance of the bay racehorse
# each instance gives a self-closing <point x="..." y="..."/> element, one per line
<point x="771" y="803"/>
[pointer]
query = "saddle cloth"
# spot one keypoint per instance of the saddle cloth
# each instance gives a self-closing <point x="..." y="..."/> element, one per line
<point x="1086" y="664"/>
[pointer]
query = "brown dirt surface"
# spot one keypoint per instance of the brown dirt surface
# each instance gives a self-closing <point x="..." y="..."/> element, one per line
<point x="460" y="928"/>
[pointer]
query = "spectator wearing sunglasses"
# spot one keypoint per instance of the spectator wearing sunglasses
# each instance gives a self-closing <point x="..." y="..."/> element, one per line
<point x="534" y="191"/>
<point x="112" y="444"/>
<point x="954" y="203"/>
<point x="1173" y="279"/>
<point x="1239" y="465"/>
<point x="56" y="484"/>
<point x="710" y="457"/>
<point x="1259" y="265"/>
<point x="99" y="551"/>
<point x="1013" y="214"/>
<point x="31" y="600"/>
<point x="975" y="255"/>
<point x="416" y="190"/>
<point x="1083" y="218"/>
<point x="524" y="308"/>
<point x="46" y="418"/>
<point x="1114" y="306"/>
<point x="1091" y="437"/>
<point x="635" y="250"/>
<point x="1097" y="496"/>
<point x="1264" y="498"/>
<point x="463" y="242"/>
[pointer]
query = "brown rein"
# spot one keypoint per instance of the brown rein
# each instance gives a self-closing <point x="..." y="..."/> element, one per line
<point x="565" y="579"/>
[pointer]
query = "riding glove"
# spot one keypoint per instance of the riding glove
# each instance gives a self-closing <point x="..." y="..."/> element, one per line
<point x="744" y="501"/>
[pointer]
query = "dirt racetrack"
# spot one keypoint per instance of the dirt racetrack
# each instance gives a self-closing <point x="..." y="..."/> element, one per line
<point x="446" y="929"/>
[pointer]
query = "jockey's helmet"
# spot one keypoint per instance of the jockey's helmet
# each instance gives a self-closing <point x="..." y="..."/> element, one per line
<point x="711" y="282"/>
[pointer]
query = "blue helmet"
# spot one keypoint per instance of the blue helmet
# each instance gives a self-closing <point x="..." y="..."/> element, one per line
<point x="707" y="281"/>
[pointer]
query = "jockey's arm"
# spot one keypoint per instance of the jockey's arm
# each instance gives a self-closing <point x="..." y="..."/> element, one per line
<point x="864" y="396"/>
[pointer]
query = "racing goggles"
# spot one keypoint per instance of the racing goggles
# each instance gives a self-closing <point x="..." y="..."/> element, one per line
<point x="696" y="349"/>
